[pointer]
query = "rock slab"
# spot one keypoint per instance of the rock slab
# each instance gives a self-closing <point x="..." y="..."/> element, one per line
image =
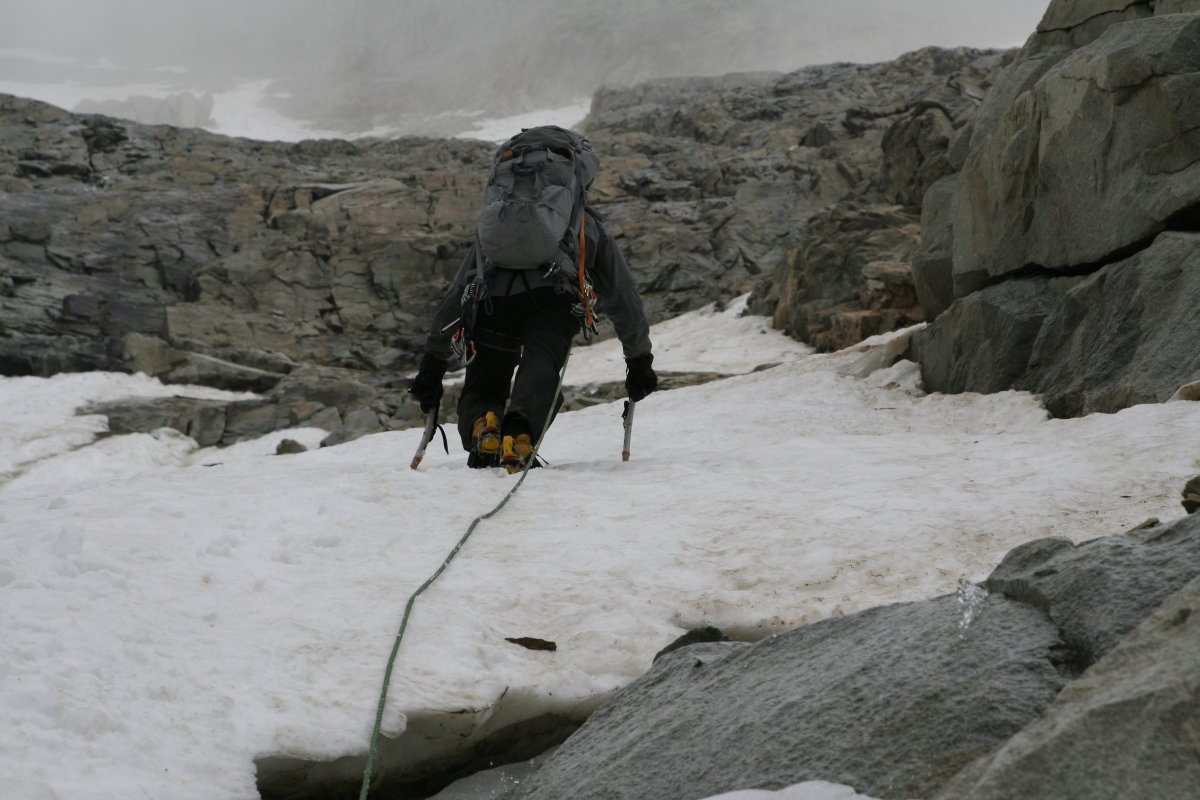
<point x="846" y="700"/>
<point x="1127" y="728"/>
<point x="855" y="700"/>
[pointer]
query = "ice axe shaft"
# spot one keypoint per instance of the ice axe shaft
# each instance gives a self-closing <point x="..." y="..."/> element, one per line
<point x="630" y="405"/>
<point x="430" y="427"/>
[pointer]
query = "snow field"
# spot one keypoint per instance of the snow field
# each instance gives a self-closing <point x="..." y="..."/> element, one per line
<point x="172" y="614"/>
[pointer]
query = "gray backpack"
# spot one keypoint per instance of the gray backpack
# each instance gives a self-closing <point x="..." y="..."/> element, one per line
<point x="533" y="217"/>
<point x="533" y="206"/>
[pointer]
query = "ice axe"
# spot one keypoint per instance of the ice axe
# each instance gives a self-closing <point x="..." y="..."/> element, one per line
<point x="627" y="415"/>
<point x="431" y="425"/>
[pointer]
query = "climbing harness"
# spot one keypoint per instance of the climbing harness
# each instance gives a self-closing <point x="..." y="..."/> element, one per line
<point x="474" y="294"/>
<point x="462" y="347"/>
<point x="373" y="752"/>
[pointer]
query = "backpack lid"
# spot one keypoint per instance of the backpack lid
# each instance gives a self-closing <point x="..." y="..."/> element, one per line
<point x="558" y="140"/>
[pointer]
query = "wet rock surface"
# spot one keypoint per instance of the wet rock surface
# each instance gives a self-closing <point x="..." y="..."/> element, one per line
<point x="852" y="700"/>
<point x="1124" y="729"/>
<point x="816" y="704"/>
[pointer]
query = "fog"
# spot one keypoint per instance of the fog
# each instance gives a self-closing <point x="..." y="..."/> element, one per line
<point x="362" y="64"/>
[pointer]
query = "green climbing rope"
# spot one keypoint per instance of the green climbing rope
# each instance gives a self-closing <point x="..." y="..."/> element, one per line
<point x="373" y="752"/>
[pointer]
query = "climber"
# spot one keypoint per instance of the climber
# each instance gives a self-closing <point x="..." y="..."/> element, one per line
<point x="539" y="261"/>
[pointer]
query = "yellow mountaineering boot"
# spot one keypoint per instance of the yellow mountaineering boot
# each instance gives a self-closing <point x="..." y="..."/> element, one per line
<point x="485" y="436"/>
<point x="516" y="451"/>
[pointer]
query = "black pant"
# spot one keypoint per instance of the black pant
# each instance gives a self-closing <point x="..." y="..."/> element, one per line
<point x="529" y="332"/>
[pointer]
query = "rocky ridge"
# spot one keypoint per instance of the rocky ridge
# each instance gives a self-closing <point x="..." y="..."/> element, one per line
<point x="806" y="186"/>
<point x="231" y="263"/>
<point x="307" y="272"/>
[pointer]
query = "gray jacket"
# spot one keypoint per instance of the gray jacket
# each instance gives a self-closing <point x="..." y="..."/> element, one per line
<point x="616" y="291"/>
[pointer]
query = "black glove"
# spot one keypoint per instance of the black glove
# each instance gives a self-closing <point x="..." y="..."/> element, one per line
<point x="427" y="386"/>
<point x="640" y="379"/>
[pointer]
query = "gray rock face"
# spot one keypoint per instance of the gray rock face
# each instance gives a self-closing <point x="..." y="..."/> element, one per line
<point x="933" y="263"/>
<point x="850" y="276"/>
<point x="1134" y="574"/>
<point x="1083" y="161"/>
<point x="916" y="154"/>
<point x="1066" y="25"/>
<point x="984" y="342"/>
<point x="202" y="259"/>
<point x="817" y="703"/>
<point x="151" y="355"/>
<point x="1124" y="335"/>
<point x="1101" y="154"/>
<point x="1121" y="336"/>
<point x="202" y="420"/>
<point x="1124" y="729"/>
<point x="852" y="700"/>
<point x="717" y="180"/>
<point x="850" y="279"/>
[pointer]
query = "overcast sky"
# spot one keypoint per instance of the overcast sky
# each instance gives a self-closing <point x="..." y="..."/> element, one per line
<point x="371" y="60"/>
<point x="299" y="31"/>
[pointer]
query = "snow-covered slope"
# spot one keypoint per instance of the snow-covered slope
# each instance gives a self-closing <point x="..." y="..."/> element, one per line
<point x="169" y="615"/>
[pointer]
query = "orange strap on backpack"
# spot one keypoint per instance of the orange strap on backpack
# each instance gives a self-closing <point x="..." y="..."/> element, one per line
<point x="586" y="294"/>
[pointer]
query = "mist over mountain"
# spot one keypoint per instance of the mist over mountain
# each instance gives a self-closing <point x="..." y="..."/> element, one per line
<point x="366" y="65"/>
